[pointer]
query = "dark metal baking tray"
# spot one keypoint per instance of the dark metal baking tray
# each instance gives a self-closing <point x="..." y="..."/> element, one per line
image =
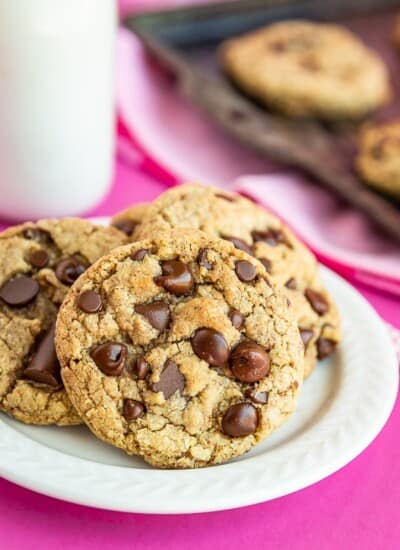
<point x="185" y="41"/>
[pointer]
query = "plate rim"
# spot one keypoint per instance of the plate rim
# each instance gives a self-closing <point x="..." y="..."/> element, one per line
<point x="25" y="461"/>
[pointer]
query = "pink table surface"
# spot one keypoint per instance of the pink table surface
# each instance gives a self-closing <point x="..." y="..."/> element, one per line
<point x="358" y="506"/>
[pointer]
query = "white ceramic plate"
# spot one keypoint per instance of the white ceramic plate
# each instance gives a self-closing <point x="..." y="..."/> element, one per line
<point x="342" y="407"/>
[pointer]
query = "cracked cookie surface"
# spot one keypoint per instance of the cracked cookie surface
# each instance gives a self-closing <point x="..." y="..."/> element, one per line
<point x="38" y="263"/>
<point x="192" y="357"/>
<point x="378" y="160"/>
<point x="303" y="68"/>
<point x="251" y="228"/>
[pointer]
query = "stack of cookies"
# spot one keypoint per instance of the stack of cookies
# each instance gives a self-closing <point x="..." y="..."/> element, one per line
<point x="181" y="333"/>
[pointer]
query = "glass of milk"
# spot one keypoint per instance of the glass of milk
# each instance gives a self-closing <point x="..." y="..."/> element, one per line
<point x="56" y="105"/>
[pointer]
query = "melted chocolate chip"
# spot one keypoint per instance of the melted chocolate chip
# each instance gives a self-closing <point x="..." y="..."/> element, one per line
<point x="249" y="362"/>
<point x="259" y="398"/>
<point x="325" y="347"/>
<point x="291" y="283"/>
<point x="211" y="346"/>
<point x="317" y="301"/>
<point x="126" y="226"/>
<point x="44" y="366"/>
<point x="89" y="301"/>
<point x="142" y="368"/>
<point x="176" y="278"/>
<point x="110" y="357"/>
<point x="229" y="198"/>
<point x="19" y="291"/>
<point x="68" y="270"/>
<point x="202" y="259"/>
<point x="272" y="237"/>
<point x="171" y="380"/>
<point x="240" y="244"/>
<point x="157" y="313"/>
<point x="236" y="318"/>
<point x="240" y="419"/>
<point x="132" y="409"/>
<point x="306" y="335"/>
<point x="266" y="263"/>
<point x="38" y="235"/>
<point x="245" y="271"/>
<point x="138" y="255"/>
<point x="39" y="258"/>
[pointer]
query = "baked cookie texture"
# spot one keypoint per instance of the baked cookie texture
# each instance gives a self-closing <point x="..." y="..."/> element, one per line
<point x="127" y="220"/>
<point x="378" y="159"/>
<point x="38" y="263"/>
<point x="191" y="358"/>
<point x="306" y="69"/>
<point x="252" y="229"/>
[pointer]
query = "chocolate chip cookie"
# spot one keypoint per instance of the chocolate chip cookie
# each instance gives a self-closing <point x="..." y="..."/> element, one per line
<point x="38" y="264"/>
<point x="308" y="69"/>
<point x="178" y="349"/>
<point x="378" y="160"/>
<point x="127" y="220"/>
<point x="252" y="229"/>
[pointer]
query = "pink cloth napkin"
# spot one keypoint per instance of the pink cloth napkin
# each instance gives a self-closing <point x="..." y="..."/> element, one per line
<point x="196" y="149"/>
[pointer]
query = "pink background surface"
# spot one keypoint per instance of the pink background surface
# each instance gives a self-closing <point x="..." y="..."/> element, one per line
<point x="358" y="506"/>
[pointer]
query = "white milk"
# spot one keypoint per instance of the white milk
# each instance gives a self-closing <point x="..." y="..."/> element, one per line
<point x="56" y="105"/>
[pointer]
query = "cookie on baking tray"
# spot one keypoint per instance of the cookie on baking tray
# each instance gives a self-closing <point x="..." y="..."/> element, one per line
<point x="378" y="159"/>
<point x="177" y="348"/>
<point x="38" y="263"/>
<point x="303" y="68"/>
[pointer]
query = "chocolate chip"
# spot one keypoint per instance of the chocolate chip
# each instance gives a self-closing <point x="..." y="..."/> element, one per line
<point x="266" y="263"/>
<point x="89" y="301"/>
<point x="236" y="318"/>
<point x="272" y="237"/>
<point x="142" y="368"/>
<point x="306" y="335"/>
<point x="245" y="271"/>
<point x="240" y="244"/>
<point x="240" y="419"/>
<point x="19" y="291"/>
<point x="317" y="301"/>
<point x="157" y="313"/>
<point x="126" y="226"/>
<point x="325" y="347"/>
<point x="171" y="380"/>
<point x="39" y="258"/>
<point x="202" y="259"/>
<point x="132" y="409"/>
<point x="249" y="362"/>
<point x="211" y="346"/>
<point x="260" y="398"/>
<point x="291" y="283"/>
<point x="138" y="255"/>
<point x="110" y="357"/>
<point x="176" y="278"/>
<point x="68" y="270"/>
<point x="38" y="235"/>
<point x="229" y="198"/>
<point x="44" y="366"/>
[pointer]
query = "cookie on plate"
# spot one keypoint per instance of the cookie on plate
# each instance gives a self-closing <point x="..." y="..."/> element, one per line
<point x="252" y="229"/>
<point x="308" y="69"/>
<point x="189" y="358"/>
<point x="378" y="160"/>
<point x="127" y="220"/>
<point x="38" y="264"/>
